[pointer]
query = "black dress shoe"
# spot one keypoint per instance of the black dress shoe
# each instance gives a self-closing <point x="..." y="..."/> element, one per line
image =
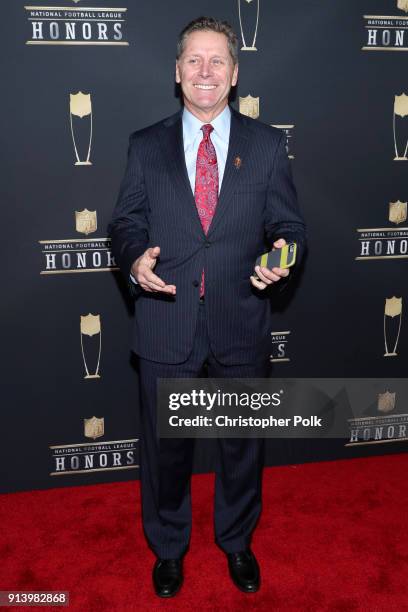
<point x="167" y="577"/>
<point x="244" y="570"/>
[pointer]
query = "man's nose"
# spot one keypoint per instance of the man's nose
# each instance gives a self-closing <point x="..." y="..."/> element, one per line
<point x="205" y="70"/>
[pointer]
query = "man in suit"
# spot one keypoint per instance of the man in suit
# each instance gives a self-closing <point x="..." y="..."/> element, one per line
<point x="205" y="192"/>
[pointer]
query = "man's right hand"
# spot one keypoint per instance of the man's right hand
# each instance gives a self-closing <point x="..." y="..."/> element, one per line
<point x="142" y="271"/>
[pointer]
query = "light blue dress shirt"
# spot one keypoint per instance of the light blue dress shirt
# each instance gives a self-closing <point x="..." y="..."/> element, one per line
<point x="193" y="135"/>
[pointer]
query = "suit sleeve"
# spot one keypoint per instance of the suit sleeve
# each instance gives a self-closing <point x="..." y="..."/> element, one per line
<point x="283" y="217"/>
<point x="129" y="227"/>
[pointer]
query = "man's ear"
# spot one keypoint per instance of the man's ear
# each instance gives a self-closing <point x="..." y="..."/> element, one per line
<point x="235" y="76"/>
<point x="177" y="73"/>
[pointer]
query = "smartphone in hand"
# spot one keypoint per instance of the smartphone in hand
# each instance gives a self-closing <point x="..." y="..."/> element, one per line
<point x="278" y="258"/>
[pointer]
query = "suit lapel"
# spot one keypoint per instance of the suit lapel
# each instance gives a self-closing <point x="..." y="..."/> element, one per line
<point x="171" y="141"/>
<point x="237" y="148"/>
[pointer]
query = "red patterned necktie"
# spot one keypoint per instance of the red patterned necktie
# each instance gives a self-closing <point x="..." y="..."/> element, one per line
<point x="206" y="183"/>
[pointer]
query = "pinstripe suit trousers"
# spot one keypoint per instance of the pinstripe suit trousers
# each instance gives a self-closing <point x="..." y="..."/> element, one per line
<point x="166" y="464"/>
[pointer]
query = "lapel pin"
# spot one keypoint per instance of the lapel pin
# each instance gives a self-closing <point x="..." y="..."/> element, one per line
<point x="237" y="162"/>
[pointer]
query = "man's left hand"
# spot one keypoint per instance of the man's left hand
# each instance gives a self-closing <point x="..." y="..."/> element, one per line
<point x="269" y="277"/>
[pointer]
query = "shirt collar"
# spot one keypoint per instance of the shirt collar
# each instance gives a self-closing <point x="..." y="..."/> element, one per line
<point x="192" y="125"/>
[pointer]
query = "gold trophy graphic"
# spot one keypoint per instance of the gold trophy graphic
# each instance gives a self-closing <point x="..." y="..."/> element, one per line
<point x="244" y="45"/>
<point x="91" y="326"/>
<point x="393" y="308"/>
<point x="80" y="106"/>
<point x="401" y="110"/>
<point x="249" y="106"/>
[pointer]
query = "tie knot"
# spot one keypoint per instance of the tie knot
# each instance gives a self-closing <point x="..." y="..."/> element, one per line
<point x="207" y="129"/>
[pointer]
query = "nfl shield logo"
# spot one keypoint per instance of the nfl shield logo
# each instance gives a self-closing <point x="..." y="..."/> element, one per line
<point x="94" y="427"/>
<point x="403" y="5"/>
<point x="386" y="402"/>
<point x="398" y="212"/>
<point x="249" y="106"/>
<point x="85" y="221"/>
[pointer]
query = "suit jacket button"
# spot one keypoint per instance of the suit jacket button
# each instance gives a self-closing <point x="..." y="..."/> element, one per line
<point x="207" y="245"/>
<point x="195" y="283"/>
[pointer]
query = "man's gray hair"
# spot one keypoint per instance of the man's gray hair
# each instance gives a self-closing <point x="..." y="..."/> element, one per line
<point x="212" y="25"/>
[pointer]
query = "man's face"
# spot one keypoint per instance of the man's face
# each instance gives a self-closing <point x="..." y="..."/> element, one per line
<point x="206" y="73"/>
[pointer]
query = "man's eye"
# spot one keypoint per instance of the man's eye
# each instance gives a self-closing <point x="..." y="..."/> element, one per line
<point x="192" y="61"/>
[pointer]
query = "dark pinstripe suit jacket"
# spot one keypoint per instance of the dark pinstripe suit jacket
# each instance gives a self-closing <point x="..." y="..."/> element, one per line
<point x="156" y="207"/>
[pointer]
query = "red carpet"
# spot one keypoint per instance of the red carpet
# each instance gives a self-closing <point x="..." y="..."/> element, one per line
<point x="333" y="537"/>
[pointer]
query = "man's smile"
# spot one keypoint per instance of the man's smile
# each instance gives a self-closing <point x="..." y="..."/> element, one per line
<point x="201" y="86"/>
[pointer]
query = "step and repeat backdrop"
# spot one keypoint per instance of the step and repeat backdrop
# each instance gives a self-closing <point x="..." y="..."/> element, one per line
<point x="79" y="77"/>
